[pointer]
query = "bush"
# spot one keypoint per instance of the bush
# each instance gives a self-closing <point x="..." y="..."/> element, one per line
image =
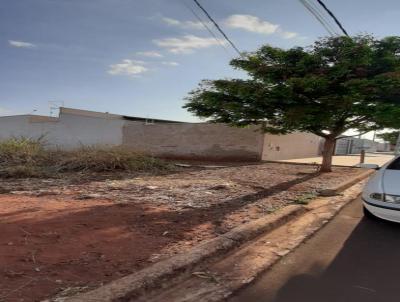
<point x="23" y="157"/>
<point x="24" y="171"/>
<point x="16" y="151"/>
<point x="98" y="159"/>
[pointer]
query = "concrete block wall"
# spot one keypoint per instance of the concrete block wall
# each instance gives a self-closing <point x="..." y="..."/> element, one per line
<point x="194" y="141"/>
<point x="74" y="128"/>
<point x="291" y="146"/>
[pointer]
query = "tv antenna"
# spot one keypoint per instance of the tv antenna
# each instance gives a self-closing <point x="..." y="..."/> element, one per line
<point x="55" y="107"/>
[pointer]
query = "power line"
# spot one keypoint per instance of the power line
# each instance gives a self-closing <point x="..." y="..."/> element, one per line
<point x="319" y="17"/>
<point x="318" y="11"/>
<point x="333" y="16"/>
<point x="205" y="26"/>
<point x="218" y="27"/>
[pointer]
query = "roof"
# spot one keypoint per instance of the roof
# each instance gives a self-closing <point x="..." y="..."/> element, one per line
<point x="89" y="113"/>
<point x="65" y="110"/>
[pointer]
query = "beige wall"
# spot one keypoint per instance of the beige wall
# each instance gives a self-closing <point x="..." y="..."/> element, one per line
<point x="290" y="146"/>
<point x="194" y="141"/>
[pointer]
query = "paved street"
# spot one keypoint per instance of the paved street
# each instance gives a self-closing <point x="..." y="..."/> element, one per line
<point x="352" y="259"/>
<point x="347" y="160"/>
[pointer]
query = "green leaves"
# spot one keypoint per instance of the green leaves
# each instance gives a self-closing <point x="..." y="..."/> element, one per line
<point x="336" y="84"/>
<point x="390" y="137"/>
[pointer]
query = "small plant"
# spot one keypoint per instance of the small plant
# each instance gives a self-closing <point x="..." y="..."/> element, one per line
<point x="305" y="198"/>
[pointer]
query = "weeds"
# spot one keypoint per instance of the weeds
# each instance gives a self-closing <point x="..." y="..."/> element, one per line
<point x="17" y="151"/>
<point x="111" y="159"/>
<point x="305" y="198"/>
<point x="23" y="157"/>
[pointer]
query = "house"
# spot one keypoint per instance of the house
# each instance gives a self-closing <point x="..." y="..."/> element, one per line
<point x="353" y="145"/>
<point x="163" y="138"/>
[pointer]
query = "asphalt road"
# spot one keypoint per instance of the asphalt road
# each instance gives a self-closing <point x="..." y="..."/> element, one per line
<point x="351" y="259"/>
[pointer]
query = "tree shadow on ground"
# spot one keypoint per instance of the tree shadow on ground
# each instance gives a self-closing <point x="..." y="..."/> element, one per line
<point x="143" y="214"/>
<point x="104" y="242"/>
<point x="366" y="269"/>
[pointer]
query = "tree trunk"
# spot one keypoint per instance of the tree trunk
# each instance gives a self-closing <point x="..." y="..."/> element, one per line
<point x="327" y="154"/>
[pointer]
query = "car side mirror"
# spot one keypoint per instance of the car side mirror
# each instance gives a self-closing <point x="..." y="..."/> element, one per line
<point x="368" y="166"/>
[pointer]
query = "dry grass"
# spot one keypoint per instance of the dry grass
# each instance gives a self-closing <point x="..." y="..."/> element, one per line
<point x="17" y="151"/>
<point x="23" y="157"/>
<point x="111" y="159"/>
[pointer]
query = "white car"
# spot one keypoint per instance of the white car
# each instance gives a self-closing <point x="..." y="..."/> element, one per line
<point x="381" y="194"/>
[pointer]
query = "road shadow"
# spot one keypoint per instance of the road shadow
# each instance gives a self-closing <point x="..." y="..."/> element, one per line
<point x="366" y="269"/>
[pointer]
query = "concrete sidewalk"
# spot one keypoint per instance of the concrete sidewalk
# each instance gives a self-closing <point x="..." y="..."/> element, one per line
<point x="346" y="160"/>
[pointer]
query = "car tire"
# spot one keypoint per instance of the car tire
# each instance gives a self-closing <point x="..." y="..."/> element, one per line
<point x="368" y="214"/>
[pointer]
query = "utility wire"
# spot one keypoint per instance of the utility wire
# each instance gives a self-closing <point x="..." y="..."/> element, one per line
<point x="205" y="26"/>
<point x="321" y="14"/>
<point x="333" y="16"/>
<point x="318" y="17"/>
<point x="218" y="27"/>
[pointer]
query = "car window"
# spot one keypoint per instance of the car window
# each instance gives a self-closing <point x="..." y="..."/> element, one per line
<point x="395" y="165"/>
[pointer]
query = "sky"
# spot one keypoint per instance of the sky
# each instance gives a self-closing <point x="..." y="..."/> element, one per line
<point x="142" y="58"/>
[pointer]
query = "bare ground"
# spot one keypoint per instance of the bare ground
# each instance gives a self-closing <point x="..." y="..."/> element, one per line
<point x="63" y="235"/>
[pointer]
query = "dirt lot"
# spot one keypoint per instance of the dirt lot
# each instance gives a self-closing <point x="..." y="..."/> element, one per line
<point x="60" y="236"/>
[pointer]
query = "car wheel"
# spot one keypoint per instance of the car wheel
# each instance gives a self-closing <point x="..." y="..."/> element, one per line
<point x="368" y="214"/>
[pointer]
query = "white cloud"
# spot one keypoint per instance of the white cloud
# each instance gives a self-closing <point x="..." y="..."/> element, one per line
<point x="256" y="25"/>
<point x="187" y="43"/>
<point x="251" y="23"/>
<point x="21" y="44"/>
<point x="246" y="22"/>
<point x="128" y="67"/>
<point x="185" y="24"/>
<point x="170" y="63"/>
<point x="150" y="54"/>
<point x="171" y="21"/>
<point x="288" y="34"/>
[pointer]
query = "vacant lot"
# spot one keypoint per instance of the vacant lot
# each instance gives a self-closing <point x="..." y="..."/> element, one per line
<point x="59" y="236"/>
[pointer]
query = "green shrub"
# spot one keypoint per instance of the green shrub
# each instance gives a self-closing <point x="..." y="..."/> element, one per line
<point x="305" y="198"/>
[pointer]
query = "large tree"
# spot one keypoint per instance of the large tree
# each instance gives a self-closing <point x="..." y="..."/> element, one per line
<point x="336" y="84"/>
<point x="390" y="137"/>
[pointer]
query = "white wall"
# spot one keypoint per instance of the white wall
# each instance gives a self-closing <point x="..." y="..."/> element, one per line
<point x="17" y="126"/>
<point x="74" y="130"/>
<point x="68" y="131"/>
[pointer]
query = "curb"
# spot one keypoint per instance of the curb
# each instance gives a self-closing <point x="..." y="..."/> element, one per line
<point x="224" y="277"/>
<point x="306" y="164"/>
<point x="346" y="184"/>
<point x="148" y="278"/>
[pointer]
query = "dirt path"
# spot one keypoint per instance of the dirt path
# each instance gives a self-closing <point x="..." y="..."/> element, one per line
<point x="75" y="236"/>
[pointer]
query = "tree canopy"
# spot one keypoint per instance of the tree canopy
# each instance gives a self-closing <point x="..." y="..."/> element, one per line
<point x="337" y="84"/>
<point x="390" y="137"/>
